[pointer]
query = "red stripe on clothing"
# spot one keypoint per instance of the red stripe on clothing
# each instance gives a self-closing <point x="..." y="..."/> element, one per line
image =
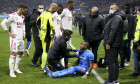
<point x="12" y="45"/>
<point x="12" y="57"/>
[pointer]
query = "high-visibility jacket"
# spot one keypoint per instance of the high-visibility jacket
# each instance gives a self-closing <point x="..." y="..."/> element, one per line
<point x="137" y="32"/>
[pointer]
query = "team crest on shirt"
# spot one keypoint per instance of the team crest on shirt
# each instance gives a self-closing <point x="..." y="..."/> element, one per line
<point x="7" y="17"/>
<point x="58" y="65"/>
<point x="52" y="19"/>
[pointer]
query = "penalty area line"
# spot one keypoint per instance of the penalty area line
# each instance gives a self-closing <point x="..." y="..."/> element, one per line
<point x="100" y="79"/>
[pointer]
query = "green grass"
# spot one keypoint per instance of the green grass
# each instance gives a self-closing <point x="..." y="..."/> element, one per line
<point x="33" y="75"/>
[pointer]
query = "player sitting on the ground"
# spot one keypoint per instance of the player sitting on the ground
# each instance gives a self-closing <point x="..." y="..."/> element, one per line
<point x="85" y="61"/>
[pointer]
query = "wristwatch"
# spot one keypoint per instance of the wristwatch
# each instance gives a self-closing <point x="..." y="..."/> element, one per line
<point x="87" y="72"/>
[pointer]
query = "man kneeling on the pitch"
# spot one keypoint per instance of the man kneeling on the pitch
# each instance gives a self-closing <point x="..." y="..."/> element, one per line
<point x="59" y="50"/>
<point x="85" y="61"/>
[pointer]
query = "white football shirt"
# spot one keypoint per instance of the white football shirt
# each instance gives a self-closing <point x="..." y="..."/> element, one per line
<point x="66" y="19"/>
<point x="17" y="25"/>
<point x="57" y="24"/>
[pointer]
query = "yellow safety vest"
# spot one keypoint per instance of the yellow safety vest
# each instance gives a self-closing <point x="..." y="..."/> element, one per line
<point x="137" y="32"/>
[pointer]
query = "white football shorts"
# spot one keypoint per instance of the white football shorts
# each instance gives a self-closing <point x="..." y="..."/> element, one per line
<point x="16" y="45"/>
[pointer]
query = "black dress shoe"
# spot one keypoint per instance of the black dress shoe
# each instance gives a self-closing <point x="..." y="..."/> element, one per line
<point x="134" y="74"/>
<point x="32" y="64"/>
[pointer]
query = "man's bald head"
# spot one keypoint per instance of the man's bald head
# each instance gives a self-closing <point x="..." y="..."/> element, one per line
<point x="94" y="10"/>
<point x="53" y="7"/>
<point x="114" y="7"/>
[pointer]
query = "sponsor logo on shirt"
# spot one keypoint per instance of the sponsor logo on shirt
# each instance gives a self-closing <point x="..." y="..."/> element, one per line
<point x="19" y="25"/>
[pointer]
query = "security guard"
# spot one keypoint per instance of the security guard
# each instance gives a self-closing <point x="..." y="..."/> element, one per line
<point x="136" y="48"/>
<point x="45" y="20"/>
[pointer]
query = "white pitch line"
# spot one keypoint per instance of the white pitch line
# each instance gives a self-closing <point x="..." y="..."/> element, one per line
<point x="100" y="79"/>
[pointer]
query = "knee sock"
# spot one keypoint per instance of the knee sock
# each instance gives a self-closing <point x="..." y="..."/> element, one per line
<point x="44" y="59"/>
<point x="18" y="59"/>
<point x="28" y="45"/>
<point x="11" y="63"/>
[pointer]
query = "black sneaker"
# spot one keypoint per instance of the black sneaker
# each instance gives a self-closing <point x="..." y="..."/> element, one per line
<point x="134" y="74"/>
<point x="107" y="82"/>
<point x="32" y="64"/>
<point x="116" y="82"/>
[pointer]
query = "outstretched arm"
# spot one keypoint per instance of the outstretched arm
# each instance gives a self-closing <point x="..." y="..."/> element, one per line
<point x="89" y="69"/>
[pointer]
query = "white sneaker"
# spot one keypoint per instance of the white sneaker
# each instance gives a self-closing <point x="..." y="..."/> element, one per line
<point x="12" y="75"/>
<point x="17" y="70"/>
<point x="126" y="64"/>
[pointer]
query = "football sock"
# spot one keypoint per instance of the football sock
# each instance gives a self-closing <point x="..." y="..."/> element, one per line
<point x="28" y="45"/>
<point x="11" y="63"/>
<point x="62" y="62"/>
<point x="18" y="59"/>
<point x="44" y="59"/>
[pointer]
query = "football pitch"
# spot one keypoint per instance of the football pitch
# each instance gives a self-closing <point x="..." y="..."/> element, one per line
<point x="33" y="75"/>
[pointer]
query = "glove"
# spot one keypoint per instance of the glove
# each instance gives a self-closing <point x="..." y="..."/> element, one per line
<point x="77" y="55"/>
<point x="75" y="50"/>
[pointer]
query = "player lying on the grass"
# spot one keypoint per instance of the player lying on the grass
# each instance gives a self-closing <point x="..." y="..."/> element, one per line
<point x="85" y="61"/>
<point x="17" y="36"/>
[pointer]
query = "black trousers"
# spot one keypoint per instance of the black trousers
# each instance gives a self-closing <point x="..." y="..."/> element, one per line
<point x="38" y="49"/>
<point x="80" y="29"/>
<point x="94" y="45"/>
<point x="112" y="62"/>
<point x="55" y="65"/>
<point x="123" y="52"/>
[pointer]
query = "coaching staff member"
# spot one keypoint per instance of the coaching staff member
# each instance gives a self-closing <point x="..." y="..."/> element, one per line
<point x="59" y="50"/>
<point x="113" y="37"/>
<point x="93" y="31"/>
<point x="38" y="45"/>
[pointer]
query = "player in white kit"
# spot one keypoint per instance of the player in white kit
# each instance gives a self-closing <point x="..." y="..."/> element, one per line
<point x="17" y="36"/>
<point x="57" y="21"/>
<point x="67" y="16"/>
<point x="67" y="22"/>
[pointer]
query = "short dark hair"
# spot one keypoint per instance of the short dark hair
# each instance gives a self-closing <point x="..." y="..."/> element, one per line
<point x="87" y="44"/>
<point x="127" y="4"/>
<point x="23" y="6"/>
<point x="39" y="4"/>
<point x="67" y="32"/>
<point x="70" y="2"/>
<point x="60" y="5"/>
<point x="114" y="4"/>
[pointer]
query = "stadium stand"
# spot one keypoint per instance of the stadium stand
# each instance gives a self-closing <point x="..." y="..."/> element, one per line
<point x="103" y="5"/>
